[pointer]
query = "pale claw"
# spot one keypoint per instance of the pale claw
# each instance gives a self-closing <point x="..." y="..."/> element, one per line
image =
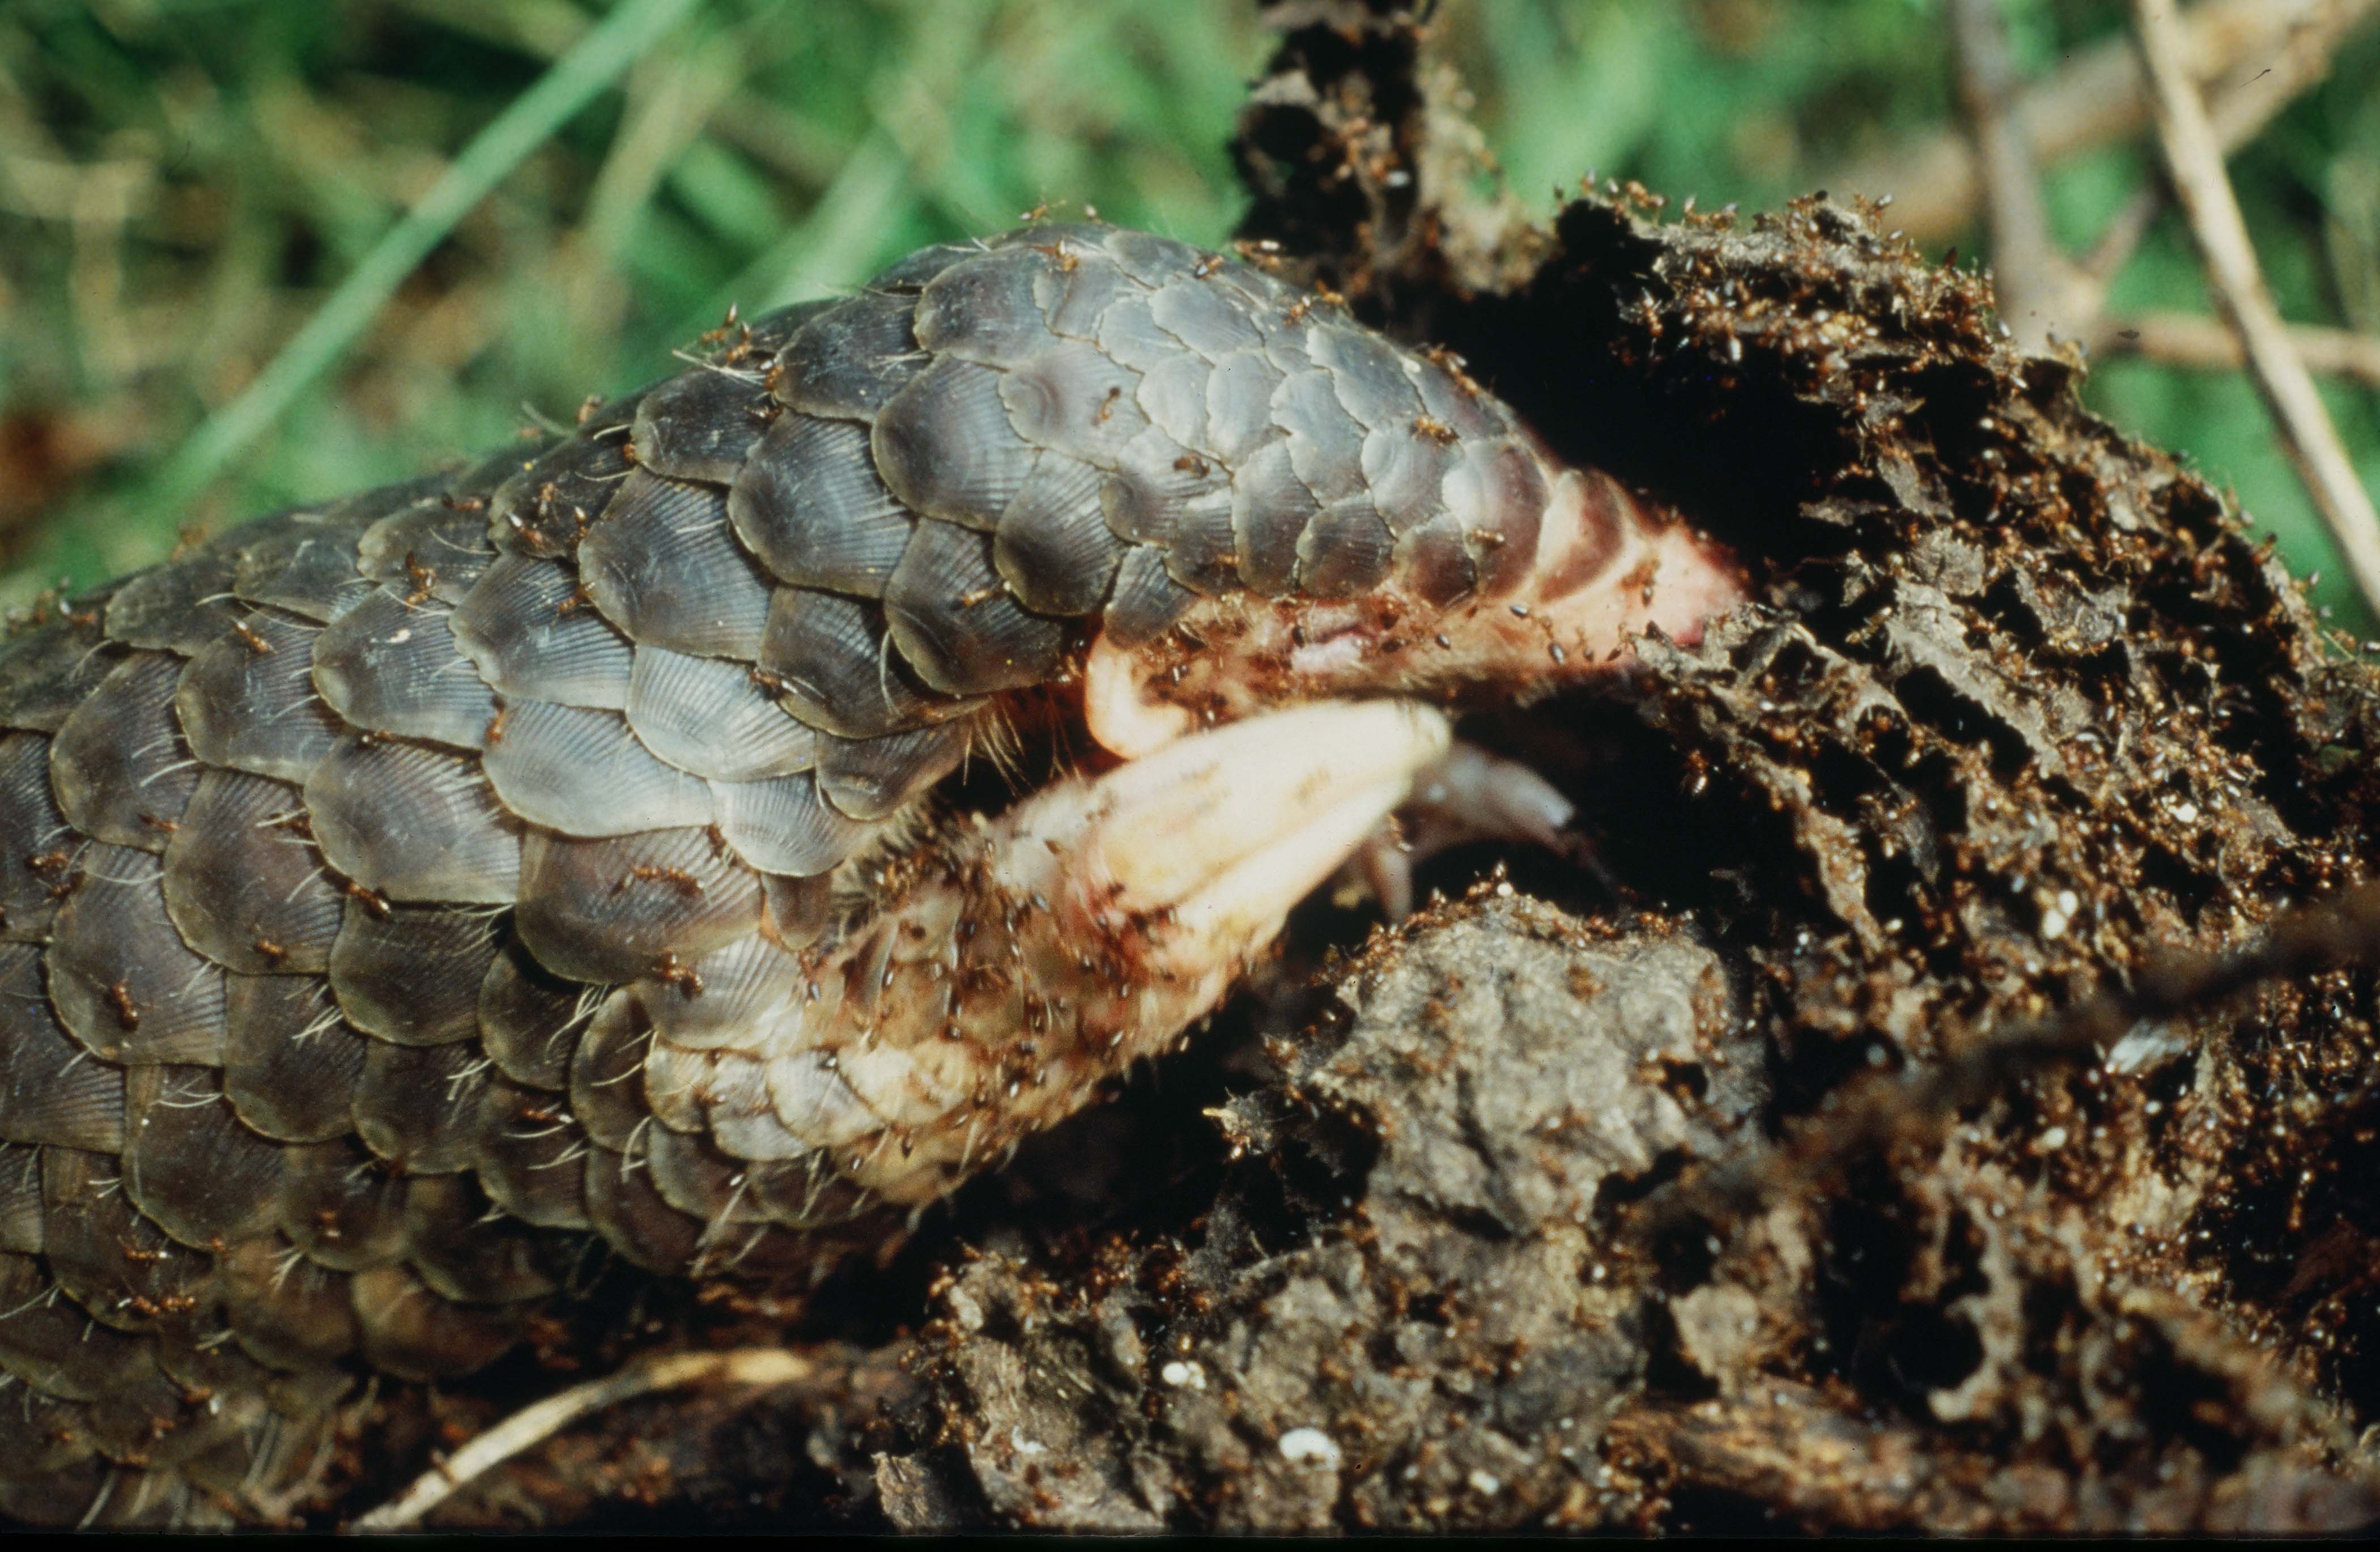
<point x="1469" y="795"/>
<point x="1026" y="961"/>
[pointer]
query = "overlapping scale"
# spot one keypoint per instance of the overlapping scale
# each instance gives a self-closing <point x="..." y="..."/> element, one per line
<point x="1173" y="393"/>
<point x="709" y="717"/>
<point x="1240" y="392"/>
<point x="875" y="778"/>
<point x="433" y="548"/>
<point x="310" y="567"/>
<point x="530" y="1018"/>
<point x="586" y="773"/>
<point x="546" y="505"/>
<point x="390" y="665"/>
<point x="612" y="909"/>
<point x="957" y="624"/>
<point x="289" y="1061"/>
<point x="811" y="506"/>
<point x="1054" y="547"/>
<point x="1496" y="493"/>
<point x="639" y="1226"/>
<point x="533" y="632"/>
<point x="412" y="822"/>
<point x="471" y="1255"/>
<point x="179" y="606"/>
<point x="985" y="309"/>
<point x="529" y="1156"/>
<point x="405" y="1328"/>
<point x="606" y="1074"/>
<point x="1345" y="550"/>
<point x="418" y="1106"/>
<point x="1157" y="487"/>
<point x="49" y="672"/>
<point x="786" y="825"/>
<point x="116" y="1262"/>
<point x="665" y="566"/>
<point x="1434" y="561"/>
<point x="1127" y="332"/>
<point x="1368" y="375"/>
<point x="1270" y="509"/>
<point x="117" y="765"/>
<point x="744" y="989"/>
<point x="1084" y="283"/>
<point x="343" y="1204"/>
<point x="53" y="1347"/>
<point x="1145" y="599"/>
<point x="245" y="884"/>
<point x="285" y="1308"/>
<point x="829" y="659"/>
<point x="1404" y="472"/>
<point x="1208" y="320"/>
<point x="190" y="1164"/>
<point x="907" y="275"/>
<point x="37" y="846"/>
<point x="411" y="974"/>
<point x="50" y="1090"/>
<point x="247" y="699"/>
<point x="1072" y="397"/>
<point x="848" y="363"/>
<point x="947" y="445"/>
<point x="124" y="982"/>
<point x="701" y="424"/>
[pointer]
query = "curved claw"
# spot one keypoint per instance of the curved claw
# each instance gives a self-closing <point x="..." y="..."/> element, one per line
<point x="1019" y="965"/>
<point x="1467" y="795"/>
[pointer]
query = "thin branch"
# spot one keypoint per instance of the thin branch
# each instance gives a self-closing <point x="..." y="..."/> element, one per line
<point x="1877" y="1112"/>
<point x="2242" y="108"/>
<point x="2034" y="280"/>
<point x="2097" y="100"/>
<point x="2236" y="285"/>
<point x="534" y="1424"/>
<point x="2184" y="339"/>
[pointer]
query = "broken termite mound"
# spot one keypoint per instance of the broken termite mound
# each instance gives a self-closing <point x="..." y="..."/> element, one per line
<point x="2019" y="705"/>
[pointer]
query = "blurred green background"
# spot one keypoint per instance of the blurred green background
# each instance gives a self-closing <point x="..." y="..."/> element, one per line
<point x="184" y="183"/>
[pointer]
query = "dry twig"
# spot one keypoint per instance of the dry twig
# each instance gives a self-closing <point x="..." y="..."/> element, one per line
<point x="2032" y="277"/>
<point x="2184" y="339"/>
<point x="2194" y="158"/>
<point x="533" y="1425"/>
<point x="2268" y="50"/>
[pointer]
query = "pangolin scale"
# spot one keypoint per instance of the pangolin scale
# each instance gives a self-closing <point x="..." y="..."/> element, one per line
<point x="406" y="901"/>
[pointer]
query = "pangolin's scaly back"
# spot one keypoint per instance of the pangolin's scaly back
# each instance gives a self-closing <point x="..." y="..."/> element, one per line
<point x="390" y="892"/>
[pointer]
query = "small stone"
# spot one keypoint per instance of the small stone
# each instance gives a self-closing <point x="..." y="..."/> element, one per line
<point x="1309" y="1447"/>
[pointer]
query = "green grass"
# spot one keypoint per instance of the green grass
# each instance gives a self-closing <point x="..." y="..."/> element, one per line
<point x="254" y="252"/>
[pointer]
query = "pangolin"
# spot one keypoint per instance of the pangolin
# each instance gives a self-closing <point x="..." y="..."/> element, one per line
<point x="409" y="901"/>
